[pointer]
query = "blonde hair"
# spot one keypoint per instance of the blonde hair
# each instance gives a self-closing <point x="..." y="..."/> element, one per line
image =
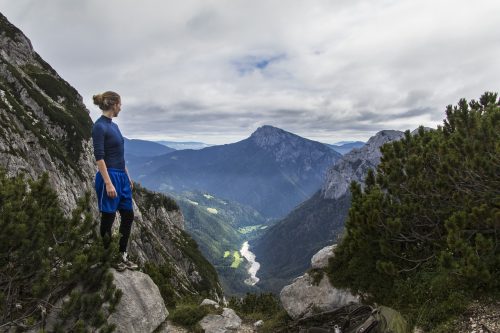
<point x="106" y="100"/>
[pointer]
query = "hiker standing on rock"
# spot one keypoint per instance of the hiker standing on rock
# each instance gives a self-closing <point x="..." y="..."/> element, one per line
<point x="112" y="182"/>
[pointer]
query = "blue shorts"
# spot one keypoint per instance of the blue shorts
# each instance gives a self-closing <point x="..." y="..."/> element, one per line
<point x="120" y="181"/>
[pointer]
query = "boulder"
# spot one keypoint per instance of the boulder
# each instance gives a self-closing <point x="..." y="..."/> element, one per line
<point x="303" y="297"/>
<point x="207" y="301"/>
<point x="258" y="324"/>
<point x="141" y="308"/>
<point x="320" y="259"/>
<point x="227" y="322"/>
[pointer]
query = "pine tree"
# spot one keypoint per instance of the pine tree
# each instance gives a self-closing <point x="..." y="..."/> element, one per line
<point x="44" y="255"/>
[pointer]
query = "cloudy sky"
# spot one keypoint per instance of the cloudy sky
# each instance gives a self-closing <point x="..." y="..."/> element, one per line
<point x="215" y="70"/>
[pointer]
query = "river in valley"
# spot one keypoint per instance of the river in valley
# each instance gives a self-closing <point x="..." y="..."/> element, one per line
<point x="253" y="265"/>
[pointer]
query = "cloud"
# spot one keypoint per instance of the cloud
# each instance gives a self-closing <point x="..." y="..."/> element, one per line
<point x="216" y="70"/>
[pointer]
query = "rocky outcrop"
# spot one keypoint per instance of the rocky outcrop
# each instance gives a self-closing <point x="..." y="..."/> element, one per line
<point x="305" y="296"/>
<point x="320" y="259"/>
<point x="355" y="165"/>
<point x="141" y="308"/>
<point x="226" y="322"/>
<point x="44" y="123"/>
<point x="207" y="301"/>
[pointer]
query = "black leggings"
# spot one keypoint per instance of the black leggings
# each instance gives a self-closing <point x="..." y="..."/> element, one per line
<point x="107" y="219"/>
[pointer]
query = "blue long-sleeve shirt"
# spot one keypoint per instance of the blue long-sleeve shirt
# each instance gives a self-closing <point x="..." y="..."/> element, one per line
<point x="108" y="143"/>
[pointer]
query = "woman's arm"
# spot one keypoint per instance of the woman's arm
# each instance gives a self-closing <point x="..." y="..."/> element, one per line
<point x="98" y="133"/>
<point x="110" y="188"/>
<point x="129" y="179"/>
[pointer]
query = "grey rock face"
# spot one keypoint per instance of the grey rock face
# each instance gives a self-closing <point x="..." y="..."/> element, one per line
<point x="141" y="308"/>
<point x="354" y="165"/>
<point x="21" y="150"/>
<point x="320" y="259"/>
<point x="225" y="323"/>
<point x="303" y="298"/>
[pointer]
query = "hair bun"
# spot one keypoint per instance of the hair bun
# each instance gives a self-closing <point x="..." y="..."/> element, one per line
<point x="106" y="100"/>
<point x="98" y="99"/>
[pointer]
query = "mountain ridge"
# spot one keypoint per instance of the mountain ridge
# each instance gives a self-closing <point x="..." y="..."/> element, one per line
<point x="255" y="171"/>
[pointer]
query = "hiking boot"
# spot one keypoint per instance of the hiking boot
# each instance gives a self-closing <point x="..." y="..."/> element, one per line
<point x="128" y="264"/>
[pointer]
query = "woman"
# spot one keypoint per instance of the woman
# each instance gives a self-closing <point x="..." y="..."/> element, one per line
<point x="112" y="182"/>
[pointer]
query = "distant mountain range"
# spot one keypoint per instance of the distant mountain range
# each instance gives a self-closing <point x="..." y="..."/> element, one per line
<point x="143" y="148"/>
<point x="285" y="249"/>
<point x="184" y="145"/>
<point x="343" y="147"/>
<point x="271" y="171"/>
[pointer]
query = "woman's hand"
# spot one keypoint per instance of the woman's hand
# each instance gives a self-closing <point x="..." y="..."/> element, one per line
<point x="111" y="191"/>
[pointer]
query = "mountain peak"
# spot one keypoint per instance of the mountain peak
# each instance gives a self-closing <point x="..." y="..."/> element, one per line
<point x="384" y="136"/>
<point x="267" y="136"/>
<point x="267" y="130"/>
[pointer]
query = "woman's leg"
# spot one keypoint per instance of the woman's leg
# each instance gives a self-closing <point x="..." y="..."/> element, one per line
<point x="127" y="217"/>
<point x="107" y="220"/>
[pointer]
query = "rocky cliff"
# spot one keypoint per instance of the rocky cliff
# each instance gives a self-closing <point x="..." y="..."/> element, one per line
<point x="45" y="128"/>
<point x="354" y="165"/>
